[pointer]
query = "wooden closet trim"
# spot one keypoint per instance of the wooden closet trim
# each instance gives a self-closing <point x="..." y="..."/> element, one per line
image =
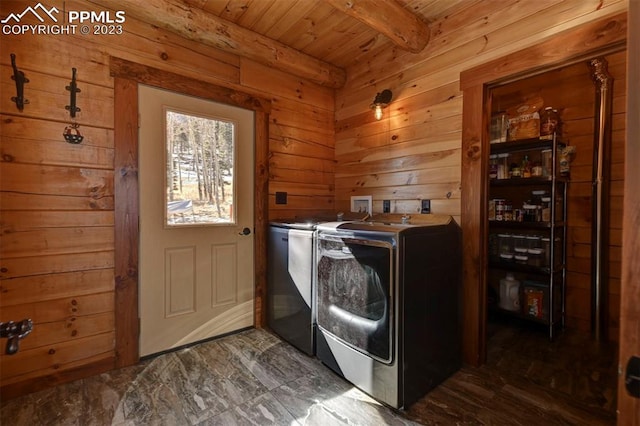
<point x="127" y="77"/>
<point x="571" y="46"/>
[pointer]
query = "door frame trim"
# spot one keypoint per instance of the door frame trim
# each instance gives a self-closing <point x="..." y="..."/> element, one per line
<point x="127" y="75"/>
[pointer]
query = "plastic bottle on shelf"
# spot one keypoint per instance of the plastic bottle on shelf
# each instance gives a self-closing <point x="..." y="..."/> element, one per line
<point x="510" y="293"/>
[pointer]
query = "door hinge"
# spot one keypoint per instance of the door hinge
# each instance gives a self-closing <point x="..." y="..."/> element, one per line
<point x="632" y="377"/>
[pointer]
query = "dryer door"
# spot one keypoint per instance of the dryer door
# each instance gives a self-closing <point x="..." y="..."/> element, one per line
<point x="355" y="293"/>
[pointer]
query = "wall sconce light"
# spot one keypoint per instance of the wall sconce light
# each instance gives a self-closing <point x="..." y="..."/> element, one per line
<point x="380" y="102"/>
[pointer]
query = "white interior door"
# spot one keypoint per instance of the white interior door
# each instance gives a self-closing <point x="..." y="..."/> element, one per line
<point x="196" y="206"/>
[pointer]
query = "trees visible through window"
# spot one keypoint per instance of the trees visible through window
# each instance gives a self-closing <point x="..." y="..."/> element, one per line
<point x="200" y="160"/>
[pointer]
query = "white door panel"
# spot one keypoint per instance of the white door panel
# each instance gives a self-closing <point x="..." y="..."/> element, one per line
<point x="196" y="278"/>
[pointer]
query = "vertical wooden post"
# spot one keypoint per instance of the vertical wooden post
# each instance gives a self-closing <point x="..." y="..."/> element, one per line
<point x="474" y="226"/>
<point x="126" y="221"/>
<point x="261" y="213"/>
<point x="628" y="406"/>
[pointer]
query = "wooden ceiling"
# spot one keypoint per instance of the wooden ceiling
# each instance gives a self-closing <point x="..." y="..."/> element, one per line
<point x="315" y="39"/>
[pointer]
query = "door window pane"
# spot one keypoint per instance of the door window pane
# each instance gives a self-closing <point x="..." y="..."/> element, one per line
<point x="199" y="179"/>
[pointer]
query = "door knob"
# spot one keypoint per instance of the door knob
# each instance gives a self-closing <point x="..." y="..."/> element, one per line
<point x="245" y="231"/>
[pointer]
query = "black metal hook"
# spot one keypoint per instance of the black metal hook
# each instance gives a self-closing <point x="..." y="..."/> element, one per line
<point x="20" y="79"/>
<point x="73" y="88"/>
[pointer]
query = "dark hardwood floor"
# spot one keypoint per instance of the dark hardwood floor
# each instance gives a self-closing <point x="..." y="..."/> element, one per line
<point x="529" y="380"/>
<point x="252" y="377"/>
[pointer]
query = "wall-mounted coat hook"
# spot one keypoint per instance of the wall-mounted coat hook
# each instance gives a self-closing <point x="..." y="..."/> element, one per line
<point x="73" y="88"/>
<point x="20" y="79"/>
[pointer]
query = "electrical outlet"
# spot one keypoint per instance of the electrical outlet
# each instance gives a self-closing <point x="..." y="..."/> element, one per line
<point x="281" y="198"/>
<point x="426" y="207"/>
<point x="386" y="206"/>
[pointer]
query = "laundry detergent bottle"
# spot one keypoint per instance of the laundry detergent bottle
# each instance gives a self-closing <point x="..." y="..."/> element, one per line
<point x="510" y="293"/>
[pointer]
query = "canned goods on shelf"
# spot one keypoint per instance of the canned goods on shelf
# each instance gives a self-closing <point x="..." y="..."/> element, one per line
<point x="499" y="207"/>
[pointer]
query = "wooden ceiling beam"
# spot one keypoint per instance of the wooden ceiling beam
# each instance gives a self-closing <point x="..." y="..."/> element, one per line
<point x="203" y="27"/>
<point x="389" y="18"/>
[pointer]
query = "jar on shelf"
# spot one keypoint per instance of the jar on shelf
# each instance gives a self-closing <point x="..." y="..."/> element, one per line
<point x="533" y="242"/>
<point x="520" y="244"/>
<point x="518" y="215"/>
<point x="536" y="194"/>
<point x="546" y="209"/>
<point x="493" y="166"/>
<point x="503" y="166"/>
<point x="536" y="200"/>
<point x="499" y="127"/>
<point x="505" y="245"/>
<point x="508" y="211"/>
<point x="535" y="256"/>
<point x="492" y="209"/>
<point x="536" y="169"/>
<point x="530" y="212"/>
<point x="499" y="204"/>
<point x="549" y="123"/>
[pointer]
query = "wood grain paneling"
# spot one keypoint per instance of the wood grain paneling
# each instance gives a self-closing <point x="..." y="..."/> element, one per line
<point x="43" y="179"/>
<point x="50" y="356"/>
<point x="613" y="31"/>
<point x="572" y="91"/>
<point x="41" y="288"/>
<point x="60" y="202"/>
<point x="374" y="157"/>
<point x="207" y="29"/>
<point x="426" y="106"/>
<point x="629" y="406"/>
<point x="126" y="213"/>
<point x="261" y="215"/>
<point x="71" y="328"/>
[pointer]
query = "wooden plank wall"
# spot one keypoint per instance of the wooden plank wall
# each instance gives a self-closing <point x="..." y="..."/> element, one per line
<point x="579" y="131"/>
<point x="572" y="91"/>
<point x="629" y="406"/>
<point x="57" y="199"/>
<point x="413" y="153"/>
